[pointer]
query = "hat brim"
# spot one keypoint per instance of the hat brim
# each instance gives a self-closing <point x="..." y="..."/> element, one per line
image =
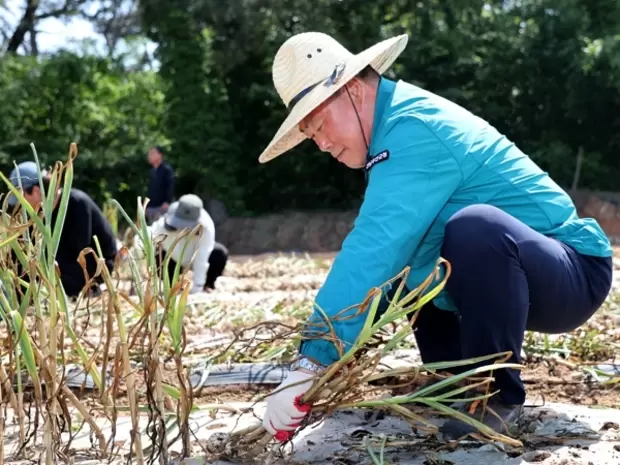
<point x="12" y="200"/>
<point x="380" y="56"/>
<point x="177" y="223"/>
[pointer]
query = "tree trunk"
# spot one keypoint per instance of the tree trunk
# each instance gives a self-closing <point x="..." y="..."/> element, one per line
<point x="34" y="48"/>
<point x="25" y="25"/>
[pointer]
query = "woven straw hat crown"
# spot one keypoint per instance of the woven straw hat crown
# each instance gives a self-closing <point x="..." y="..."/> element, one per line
<point x="304" y="60"/>
<point x="309" y="68"/>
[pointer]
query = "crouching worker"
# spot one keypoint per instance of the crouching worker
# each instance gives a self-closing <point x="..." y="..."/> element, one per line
<point x="83" y="221"/>
<point x="440" y="182"/>
<point x="195" y="250"/>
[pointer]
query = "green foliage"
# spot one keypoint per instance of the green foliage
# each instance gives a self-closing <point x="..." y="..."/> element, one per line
<point x="113" y="116"/>
<point x="546" y="73"/>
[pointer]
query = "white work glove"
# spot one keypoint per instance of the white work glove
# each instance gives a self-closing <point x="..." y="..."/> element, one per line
<point x="284" y="409"/>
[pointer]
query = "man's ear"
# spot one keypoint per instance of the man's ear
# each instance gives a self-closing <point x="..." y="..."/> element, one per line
<point x="361" y="93"/>
<point x="36" y="192"/>
<point x="356" y="88"/>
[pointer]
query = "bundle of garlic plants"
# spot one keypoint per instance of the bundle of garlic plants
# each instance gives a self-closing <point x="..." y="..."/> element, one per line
<point x="358" y="367"/>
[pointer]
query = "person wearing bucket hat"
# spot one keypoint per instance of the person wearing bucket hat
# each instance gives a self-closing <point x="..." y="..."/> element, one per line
<point x="198" y="252"/>
<point x="83" y="221"/>
<point x="441" y="181"/>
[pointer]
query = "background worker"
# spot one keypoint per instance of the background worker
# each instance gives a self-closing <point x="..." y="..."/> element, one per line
<point x="161" y="184"/>
<point x="196" y="250"/>
<point x="83" y="221"/>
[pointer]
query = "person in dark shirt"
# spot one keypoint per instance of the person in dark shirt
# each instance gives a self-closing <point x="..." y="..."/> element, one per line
<point x="83" y="220"/>
<point x="161" y="185"/>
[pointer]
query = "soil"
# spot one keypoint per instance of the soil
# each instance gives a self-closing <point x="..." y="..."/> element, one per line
<point x="561" y="384"/>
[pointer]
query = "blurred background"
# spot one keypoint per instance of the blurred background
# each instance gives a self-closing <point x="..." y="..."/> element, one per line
<point x="194" y="76"/>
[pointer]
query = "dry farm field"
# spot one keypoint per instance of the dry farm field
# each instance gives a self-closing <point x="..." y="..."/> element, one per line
<point x="248" y="324"/>
<point x="281" y="288"/>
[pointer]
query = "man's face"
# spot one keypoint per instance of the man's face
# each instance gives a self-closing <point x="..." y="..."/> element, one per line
<point x="153" y="156"/>
<point x="335" y="128"/>
<point x="34" y="198"/>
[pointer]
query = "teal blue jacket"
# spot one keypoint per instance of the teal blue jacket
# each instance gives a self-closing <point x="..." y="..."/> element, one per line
<point x="428" y="159"/>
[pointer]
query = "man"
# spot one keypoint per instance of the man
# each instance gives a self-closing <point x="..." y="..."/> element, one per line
<point x="83" y="221"/>
<point x="441" y="181"/>
<point x="197" y="250"/>
<point x="161" y="184"/>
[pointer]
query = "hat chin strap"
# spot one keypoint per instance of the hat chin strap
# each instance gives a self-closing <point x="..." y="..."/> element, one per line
<point x="359" y="120"/>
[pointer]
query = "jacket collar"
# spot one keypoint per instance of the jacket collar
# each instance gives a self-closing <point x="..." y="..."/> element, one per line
<point x="385" y="91"/>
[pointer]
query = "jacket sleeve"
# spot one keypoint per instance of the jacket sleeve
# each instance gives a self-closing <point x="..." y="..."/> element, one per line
<point x="169" y="185"/>
<point x="405" y="193"/>
<point x="77" y="235"/>
<point x="102" y="228"/>
<point x="201" y="260"/>
<point x="83" y="226"/>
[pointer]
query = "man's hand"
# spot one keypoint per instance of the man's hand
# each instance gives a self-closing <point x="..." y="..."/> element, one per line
<point x="164" y="207"/>
<point x="284" y="408"/>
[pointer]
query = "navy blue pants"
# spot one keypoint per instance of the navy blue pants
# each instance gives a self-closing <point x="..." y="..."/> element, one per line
<point x="506" y="279"/>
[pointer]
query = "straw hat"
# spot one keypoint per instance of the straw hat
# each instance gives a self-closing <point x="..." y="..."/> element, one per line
<point x="309" y="68"/>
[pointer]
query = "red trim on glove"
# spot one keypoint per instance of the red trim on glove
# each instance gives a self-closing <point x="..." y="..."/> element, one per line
<point x="283" y="436"/>
<point x="304" y="408"/>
